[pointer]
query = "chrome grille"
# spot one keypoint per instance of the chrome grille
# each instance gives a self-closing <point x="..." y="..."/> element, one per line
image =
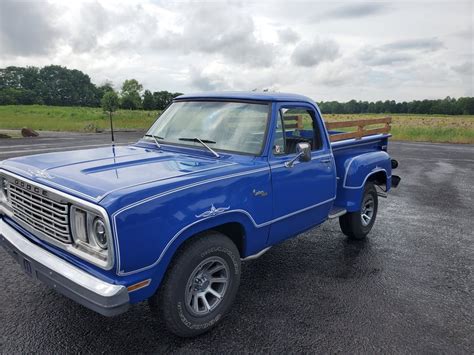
<point x="40" y="213"/>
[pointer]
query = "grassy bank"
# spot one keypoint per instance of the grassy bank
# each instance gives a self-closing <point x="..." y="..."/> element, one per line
<point x="79" y="119"/>
<point x="425" y="128"/>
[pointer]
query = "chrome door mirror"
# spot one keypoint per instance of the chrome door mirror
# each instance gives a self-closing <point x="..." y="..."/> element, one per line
<point x="304" y="154"/>
<point x="304" y="151"/>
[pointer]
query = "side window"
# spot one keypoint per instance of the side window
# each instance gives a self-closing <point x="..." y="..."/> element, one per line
<point x="279" y="141"/>
<point x="295" y="125"/>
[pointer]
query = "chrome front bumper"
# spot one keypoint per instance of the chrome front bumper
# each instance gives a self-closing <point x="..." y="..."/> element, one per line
<point x="80" y="286"/>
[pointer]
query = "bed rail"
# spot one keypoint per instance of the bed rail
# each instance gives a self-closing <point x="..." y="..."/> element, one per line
<point x="361" y="131"/>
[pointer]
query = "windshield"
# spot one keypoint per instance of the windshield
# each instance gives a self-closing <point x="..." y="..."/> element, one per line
<point x="230" y="126"/>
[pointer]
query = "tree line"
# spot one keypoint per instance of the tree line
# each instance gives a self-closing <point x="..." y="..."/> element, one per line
<point x="58" y="86"/>
<point x="447" y="106"/>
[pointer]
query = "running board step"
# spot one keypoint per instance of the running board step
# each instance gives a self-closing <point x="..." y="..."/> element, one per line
<point x="256" y="256"/>
<point x="337" y="212"/>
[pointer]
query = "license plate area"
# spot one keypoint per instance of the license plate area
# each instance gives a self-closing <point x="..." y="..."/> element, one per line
<point x="24" y="263"/>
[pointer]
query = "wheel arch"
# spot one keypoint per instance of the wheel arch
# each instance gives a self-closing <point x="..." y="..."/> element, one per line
<point x="235" y="231"/>
<point x="378" y="178"/>
<point x="237" y="226"/>
<point x="356" y="171"/>
<point x="234" y="225"/>
<point x="359" y="168"/>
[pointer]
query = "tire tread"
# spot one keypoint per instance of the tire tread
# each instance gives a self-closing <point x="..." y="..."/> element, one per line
<point x="160" y="303"/>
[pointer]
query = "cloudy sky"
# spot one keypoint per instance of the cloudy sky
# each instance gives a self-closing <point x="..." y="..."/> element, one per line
<point x="332" y="50"/>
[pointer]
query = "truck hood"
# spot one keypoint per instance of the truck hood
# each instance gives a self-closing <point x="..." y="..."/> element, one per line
<point x="94" y="173"/>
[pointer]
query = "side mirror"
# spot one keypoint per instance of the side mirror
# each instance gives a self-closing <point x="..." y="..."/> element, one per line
<point x="304" y="151"/>
<point x="304" y="154"/>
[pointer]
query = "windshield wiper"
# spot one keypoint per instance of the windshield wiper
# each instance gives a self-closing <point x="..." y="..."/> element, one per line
<point x="155" y="138"/>
<point x="203" y="142"/>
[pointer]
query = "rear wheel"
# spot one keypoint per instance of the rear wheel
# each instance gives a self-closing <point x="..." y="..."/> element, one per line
<point x="200" y="285"/>
<point x="356" y="225"/>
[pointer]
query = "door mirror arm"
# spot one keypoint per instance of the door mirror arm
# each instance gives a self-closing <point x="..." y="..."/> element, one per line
<point x="304" y="154"/>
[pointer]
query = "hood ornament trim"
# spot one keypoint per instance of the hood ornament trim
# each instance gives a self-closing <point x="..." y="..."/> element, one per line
<point x="40" y="173"/>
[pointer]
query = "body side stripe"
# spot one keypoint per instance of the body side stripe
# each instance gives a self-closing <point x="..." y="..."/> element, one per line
<point x="101" y="197"/>
<point x="122" y="273"/>
<point x="185" y="187"/>
<point x="178" y="189"/>
<point x="368" y="175"/>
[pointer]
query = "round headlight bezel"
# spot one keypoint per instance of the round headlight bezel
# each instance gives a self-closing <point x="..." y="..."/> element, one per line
<point x="86" y="240"/>
<point x="99" y="233"/>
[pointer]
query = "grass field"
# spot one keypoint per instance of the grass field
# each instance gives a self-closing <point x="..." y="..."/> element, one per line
<point x="78" y="119"/>
<point x="423" y="128"/>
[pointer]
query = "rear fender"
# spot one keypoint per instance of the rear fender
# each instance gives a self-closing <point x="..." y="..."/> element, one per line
<point x="357" y="170"/>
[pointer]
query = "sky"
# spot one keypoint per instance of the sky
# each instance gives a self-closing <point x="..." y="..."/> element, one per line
<point x="328" y="50"/>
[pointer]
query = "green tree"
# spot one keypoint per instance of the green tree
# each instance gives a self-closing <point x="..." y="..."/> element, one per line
<point x="104" y="88"/>
<point x="110" y="103"/>
<point x="60" y="86"/>
<point x="163" y="98"/>
<point x="148" y="101"/>
<point x="130" y="93"/>
<point x="19" y="85"/>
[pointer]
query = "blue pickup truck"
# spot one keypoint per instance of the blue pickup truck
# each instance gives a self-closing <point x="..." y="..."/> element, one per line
<point x="218" y="179"/>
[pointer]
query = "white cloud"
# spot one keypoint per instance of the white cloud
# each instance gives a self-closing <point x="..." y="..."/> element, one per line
<point x="347" y="10"/>
<point x="288" y="35"/>
<point x="308" y="54"/>
<point x="26" y="29"/>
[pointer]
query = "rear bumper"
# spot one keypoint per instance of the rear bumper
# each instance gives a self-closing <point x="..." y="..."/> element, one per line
<point x="80" y="286"/>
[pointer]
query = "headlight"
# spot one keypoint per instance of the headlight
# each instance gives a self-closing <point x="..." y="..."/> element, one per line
<point x="91" y="235"/>
<point x="99" y="232"/>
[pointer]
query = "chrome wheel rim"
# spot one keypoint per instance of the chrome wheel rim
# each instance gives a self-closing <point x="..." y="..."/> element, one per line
<point x="367" y="210"/>
<point x="207" y="286"/>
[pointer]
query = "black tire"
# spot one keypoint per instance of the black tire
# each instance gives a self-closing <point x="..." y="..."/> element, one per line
<point x="352" y="223"/>
<point x="169" y="303"/>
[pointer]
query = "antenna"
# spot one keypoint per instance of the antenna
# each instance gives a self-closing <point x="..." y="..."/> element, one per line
<point x="111" y="127"/>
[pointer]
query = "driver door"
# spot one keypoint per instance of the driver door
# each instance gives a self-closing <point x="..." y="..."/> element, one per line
<point x="303" y="193"/>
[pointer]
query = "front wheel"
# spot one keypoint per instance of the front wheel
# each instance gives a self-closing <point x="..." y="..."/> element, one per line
<point x="200" y="285"/>
<point x="356" y="225"/>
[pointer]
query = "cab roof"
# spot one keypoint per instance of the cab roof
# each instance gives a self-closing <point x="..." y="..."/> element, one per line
<point x="245" y="95"/>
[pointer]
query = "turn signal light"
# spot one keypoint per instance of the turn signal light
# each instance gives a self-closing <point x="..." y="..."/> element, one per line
<point x="139" y="285"/>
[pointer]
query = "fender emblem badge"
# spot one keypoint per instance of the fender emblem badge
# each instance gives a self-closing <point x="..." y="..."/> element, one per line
<point x="213" y="212"/>
<point x="260" y="193"/>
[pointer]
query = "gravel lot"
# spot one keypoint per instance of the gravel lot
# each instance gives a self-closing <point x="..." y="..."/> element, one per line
<point x="408" y="288"/>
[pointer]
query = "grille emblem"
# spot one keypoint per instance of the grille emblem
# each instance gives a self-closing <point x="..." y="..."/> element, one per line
<point x="32" y="188"/>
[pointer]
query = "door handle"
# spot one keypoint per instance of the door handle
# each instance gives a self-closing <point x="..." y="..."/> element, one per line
<point x="325" y="161"/>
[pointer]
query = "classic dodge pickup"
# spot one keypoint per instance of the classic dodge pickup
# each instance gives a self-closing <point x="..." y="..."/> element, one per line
<point x="218" y="179"/>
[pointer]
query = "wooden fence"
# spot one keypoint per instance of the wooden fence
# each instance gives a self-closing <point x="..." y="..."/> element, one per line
<point x="295" y="121"/>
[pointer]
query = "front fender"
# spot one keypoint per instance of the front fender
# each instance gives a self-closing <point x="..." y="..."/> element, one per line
<point x="156" y="271"/>
<point x="147" y="233"/>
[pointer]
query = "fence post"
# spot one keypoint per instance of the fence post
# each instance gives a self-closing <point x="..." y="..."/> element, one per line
<point x="299" y="122"/>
